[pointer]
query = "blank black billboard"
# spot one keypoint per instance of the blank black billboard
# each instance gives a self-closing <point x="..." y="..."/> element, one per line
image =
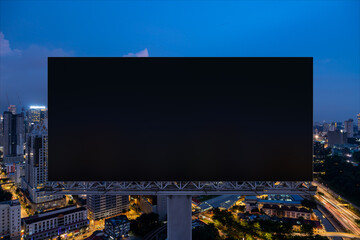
<point x="180" y="119"/>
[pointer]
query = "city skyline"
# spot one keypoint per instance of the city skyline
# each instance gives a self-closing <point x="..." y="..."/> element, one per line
<point x="326" y="30"/>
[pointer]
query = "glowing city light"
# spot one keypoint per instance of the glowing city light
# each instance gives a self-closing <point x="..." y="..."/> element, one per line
<point x="37" y="107"/>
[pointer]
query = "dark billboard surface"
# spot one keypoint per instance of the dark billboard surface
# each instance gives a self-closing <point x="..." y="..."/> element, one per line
<point x="180" y="119"/>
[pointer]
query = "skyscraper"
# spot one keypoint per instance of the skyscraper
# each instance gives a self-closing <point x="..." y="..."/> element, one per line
<point x="358" y="123"/>
<point x="349" y="128"/>
<point x="36" y="170"/>
<point x="104" y="206"/>
<point x="35" y="115"/>
<point x="13" y="137"/>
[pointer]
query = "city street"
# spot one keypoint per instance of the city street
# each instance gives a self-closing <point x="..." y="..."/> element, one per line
<point x="341" y="213"/>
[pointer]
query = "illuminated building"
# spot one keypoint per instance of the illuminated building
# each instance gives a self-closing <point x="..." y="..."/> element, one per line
<point x="10" y="219"/>
<point x="36" y="170"/>
<point x="105" y="206"/>
<point x="35" y="115"/>
<point x="358" y="121"/>
<point x="63" y="222"/>
<point x="117" y="227"/>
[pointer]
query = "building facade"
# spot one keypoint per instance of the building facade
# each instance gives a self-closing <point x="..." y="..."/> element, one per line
<point x="106" y="206"/>
<point x="61" y="222"/>
<point x="13" y="137"/>
<point x="10" y="219"/>
<point x="349" y="128"/>
<point x="36" y="171"/>
<point x="117" y="227"/>
<point x="35" y="115"/>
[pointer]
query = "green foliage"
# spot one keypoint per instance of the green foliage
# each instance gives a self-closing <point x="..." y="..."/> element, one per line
<point x="343" y="177"/>
<point x="307" y="229"/>
<point x="207" y="232"/>
<point x="308" y="203"/>
<point x="356" y="156"/>
<point x="357" y="222"/>
<point x="4" y="196"/>
<point x="145" y="224"/>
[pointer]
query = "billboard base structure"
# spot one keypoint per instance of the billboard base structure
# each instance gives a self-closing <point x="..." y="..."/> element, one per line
<point x="179" y="194"/>
<point x="182" y="188"/>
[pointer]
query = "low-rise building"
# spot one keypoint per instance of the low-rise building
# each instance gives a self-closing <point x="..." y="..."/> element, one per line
<point x="56" y="223"/>
<point x="117" y="227"/>
<point x="10" y="219"/>
<point x="287" y="212"/>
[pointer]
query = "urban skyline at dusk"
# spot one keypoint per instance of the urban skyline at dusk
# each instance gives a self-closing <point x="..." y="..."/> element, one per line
<point x="326" y="30"/>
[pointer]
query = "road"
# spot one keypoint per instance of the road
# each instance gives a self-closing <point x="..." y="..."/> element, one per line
<point x="342" y="214"/>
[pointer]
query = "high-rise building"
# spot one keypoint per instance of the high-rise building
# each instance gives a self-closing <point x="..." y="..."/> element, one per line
<point x="336" y="137"/>
<point x="349" y="128"/>
<point x="35" y="115"/>
<point x="12" y="109"/>
<point x="358" y="121"/>
<point x="10" y="220"/>
<point x="105" y="206"/>
<point x="60" y="223"/>
<point x="13" y="137"/>
<point x="36" y="170"/>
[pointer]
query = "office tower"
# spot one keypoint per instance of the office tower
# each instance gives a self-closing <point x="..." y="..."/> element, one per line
<point x="35" y="115"/>
<point x="358" y="121"/>
<point x="336" y="137"/>
<point x="105" y="206"/>
<point x="117" y="227"/>
<point x="10" y="219"/>
<point x="13" y="137"/>
<point x="349" y="128"/>
<point x="36" y="171"/>
<point x="64" y="222"/>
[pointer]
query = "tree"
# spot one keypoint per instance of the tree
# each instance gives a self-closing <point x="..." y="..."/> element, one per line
<point x="308" y="203"/>
<point x="4" y="196"/>
<point x="206" y="232"/>
<point x="145" y="224"/>
<point x="307" y="229"/>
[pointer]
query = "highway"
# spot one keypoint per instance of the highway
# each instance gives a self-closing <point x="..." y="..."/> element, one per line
<point x="341" y="213"/>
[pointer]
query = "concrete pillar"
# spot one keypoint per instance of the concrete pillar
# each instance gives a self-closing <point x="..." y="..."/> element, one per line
<point x="179" y="217"/>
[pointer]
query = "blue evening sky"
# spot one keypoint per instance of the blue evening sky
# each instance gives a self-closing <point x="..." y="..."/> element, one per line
<point x="329" y="31"/>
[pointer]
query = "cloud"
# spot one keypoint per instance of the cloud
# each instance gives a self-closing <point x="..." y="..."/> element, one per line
<point x="23" y="73"/>
<point x="143" y="53"/>
<point x="5" y="49"/>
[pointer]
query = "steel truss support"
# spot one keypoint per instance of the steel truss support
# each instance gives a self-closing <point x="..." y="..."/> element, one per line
<point x="181" y="188"/>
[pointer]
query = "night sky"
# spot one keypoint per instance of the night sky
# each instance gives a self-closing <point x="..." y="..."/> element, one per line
<point x="329" y="31"/>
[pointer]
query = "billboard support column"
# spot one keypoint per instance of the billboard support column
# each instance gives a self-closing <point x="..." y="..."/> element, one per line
<point x="179" y="217"/>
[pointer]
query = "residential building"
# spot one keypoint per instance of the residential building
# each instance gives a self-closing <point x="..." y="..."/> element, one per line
<point x="57" y="223"/>
<point x="117" y="227"/>
<point x="36" y="171"/>
<point x="10" y="220"/>
<point x="105" y="206"/>
<point x="285" y="211"/>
